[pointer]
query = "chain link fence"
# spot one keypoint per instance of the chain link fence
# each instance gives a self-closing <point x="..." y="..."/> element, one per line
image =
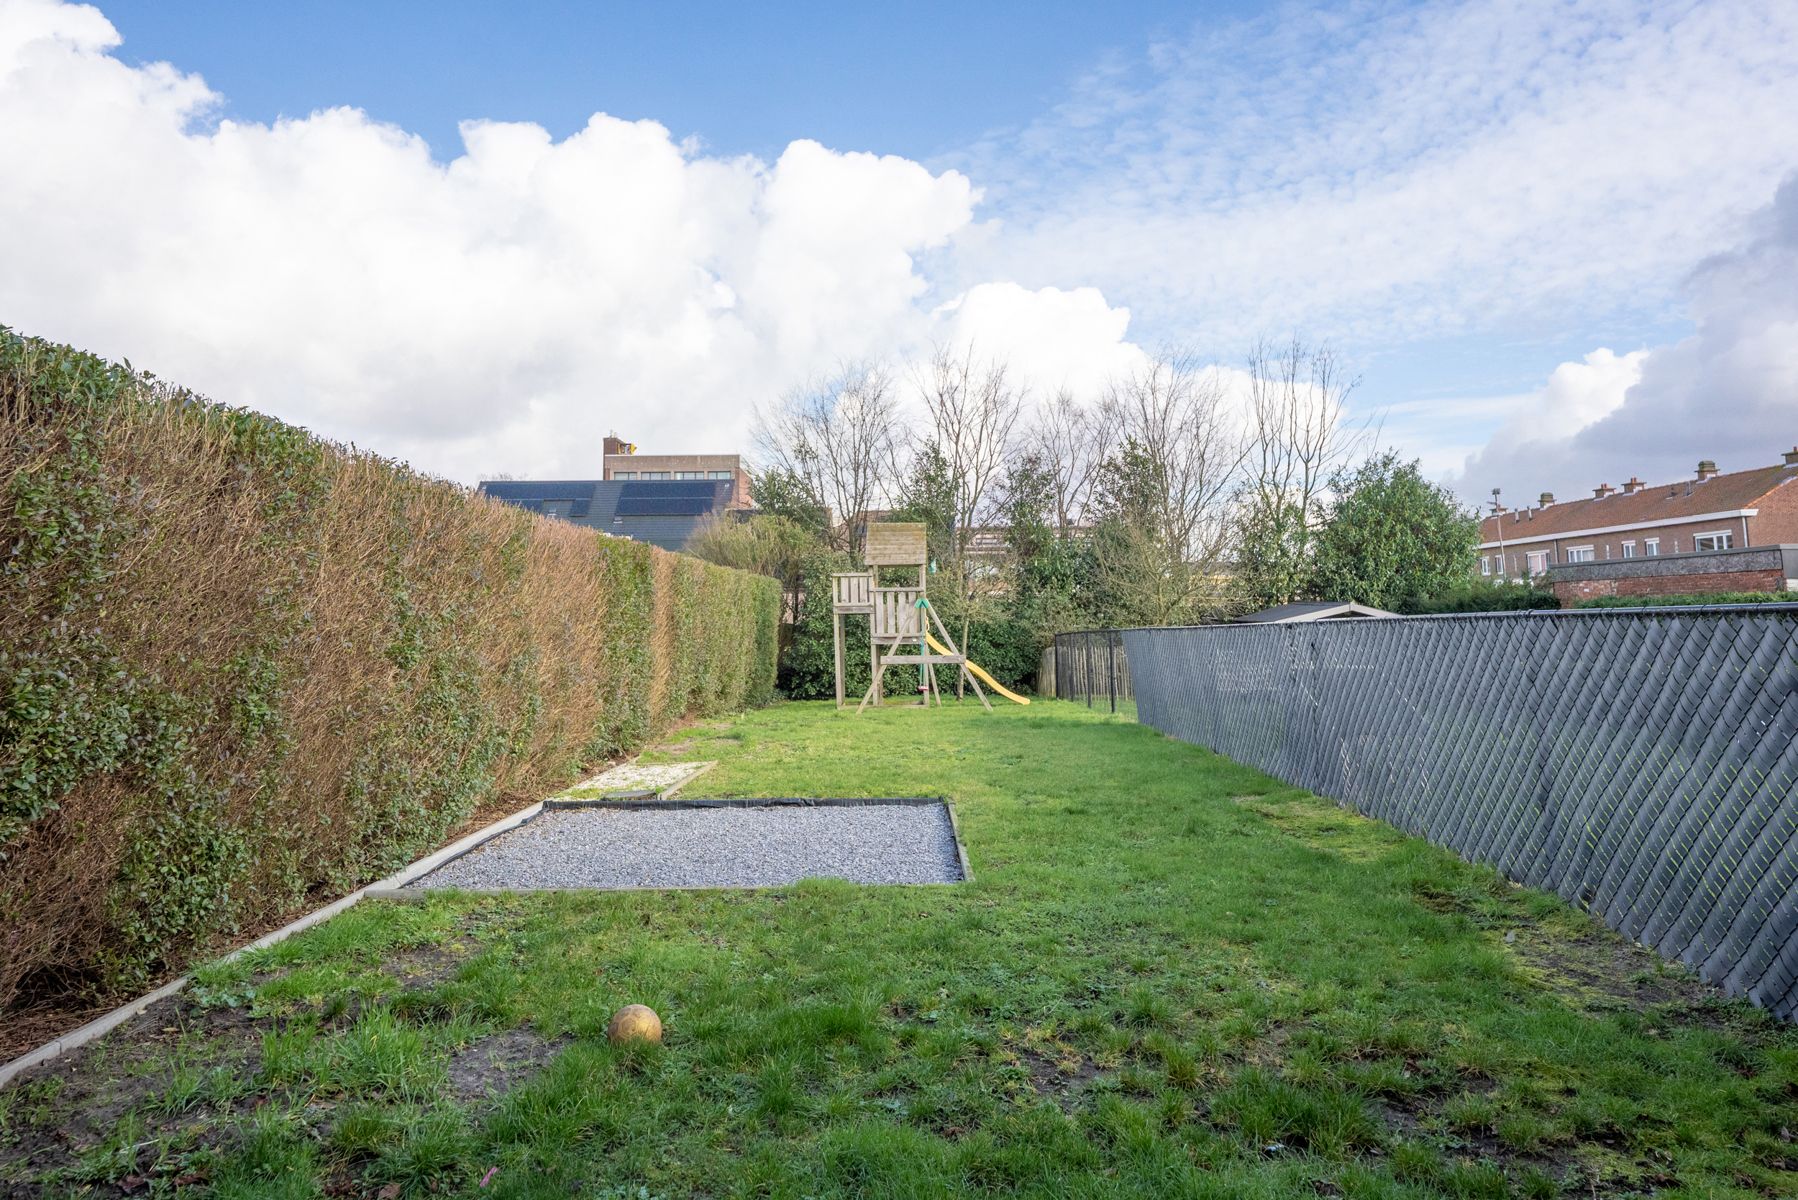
<point x="1641" y="764"/>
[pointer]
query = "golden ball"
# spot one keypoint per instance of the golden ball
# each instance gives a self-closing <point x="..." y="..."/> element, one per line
<point x="634" y="1023"/>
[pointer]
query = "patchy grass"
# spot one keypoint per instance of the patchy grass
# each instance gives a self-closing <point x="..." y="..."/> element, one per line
<point x="1172" y="976"/>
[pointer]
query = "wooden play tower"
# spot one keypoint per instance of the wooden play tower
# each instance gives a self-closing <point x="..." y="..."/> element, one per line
<point x="900" y="619"/>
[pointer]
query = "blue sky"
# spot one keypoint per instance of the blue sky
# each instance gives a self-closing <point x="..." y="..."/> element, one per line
<point x="1505" y="215"/>
<point x="918" y="80"/>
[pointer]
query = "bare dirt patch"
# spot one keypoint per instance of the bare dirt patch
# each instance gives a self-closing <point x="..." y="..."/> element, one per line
<point x="1057" y="1074"/>
<point x="1602" y="969"/>
<point x="496" y="1063"/>
<point x="70" y="1105"/>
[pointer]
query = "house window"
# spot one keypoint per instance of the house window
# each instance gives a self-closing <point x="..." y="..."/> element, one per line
<point x="655" y="474"/>
<point x="624" y="474"/>
<point x="1629" y="549"/>
<point x="1485" y="565"/>
<point x="1713" y="541"/>
<point x="689" y="474"/>
<point x="718" y="475"/>
<point x="1538" y="560"/>
<point x="1651" y="546"/>
<point x="1579" y="554"/>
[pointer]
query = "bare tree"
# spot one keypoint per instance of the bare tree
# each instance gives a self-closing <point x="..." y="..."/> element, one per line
<point x="1071" y="440"/>
<point x="1165" y="490"/>
<point x="1296" y="399"/>
<point x="841" y="436"/>
<point x="974" y="408"/>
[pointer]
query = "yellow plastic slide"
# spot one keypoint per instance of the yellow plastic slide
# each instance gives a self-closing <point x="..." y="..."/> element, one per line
<point x="984" y="677"/>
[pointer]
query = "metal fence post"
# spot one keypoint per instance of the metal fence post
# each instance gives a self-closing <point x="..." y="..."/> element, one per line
<point x="1086" y="641"/>
<point x="1111" y="667"/>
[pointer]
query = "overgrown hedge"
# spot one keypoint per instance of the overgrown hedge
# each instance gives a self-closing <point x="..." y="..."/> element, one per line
<point x="242" y="669"/>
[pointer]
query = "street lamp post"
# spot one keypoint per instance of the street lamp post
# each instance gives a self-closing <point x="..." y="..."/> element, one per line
<point x="1499" y="516"/>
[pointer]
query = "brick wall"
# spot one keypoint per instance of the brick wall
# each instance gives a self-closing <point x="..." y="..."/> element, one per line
<point x="1568" y="591"/>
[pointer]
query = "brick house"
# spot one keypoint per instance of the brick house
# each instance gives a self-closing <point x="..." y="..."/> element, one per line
<point x="624" y="463"/>
<point x="1709" y="514"/>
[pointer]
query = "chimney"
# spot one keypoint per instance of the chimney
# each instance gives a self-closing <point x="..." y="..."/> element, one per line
<point x="1791" y="456"/>
<point x="617" y="445"/>
<point x="1545" y="499"/>
<point x="1602" y="490"/>
<point x="1632" y="485"/>
<point x="1706" y="469"/>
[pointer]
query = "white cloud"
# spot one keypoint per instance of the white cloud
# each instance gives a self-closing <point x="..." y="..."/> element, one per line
<point x="1728" y="393"/>
<point x="1373" y="175"/>
<point x="1063" y="339"/>
<point x="498" y="312"/>
<point x="1367" y="175"/>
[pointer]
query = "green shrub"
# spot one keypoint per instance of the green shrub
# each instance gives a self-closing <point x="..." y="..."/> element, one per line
<point x="1688" y="599"/>
<point x="241" y="668"/>
<point x="1480" y="596"/>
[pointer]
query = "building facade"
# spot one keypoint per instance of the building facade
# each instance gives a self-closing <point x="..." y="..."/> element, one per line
<point x="1712" y="511"/>
<point x="622" y="462"/>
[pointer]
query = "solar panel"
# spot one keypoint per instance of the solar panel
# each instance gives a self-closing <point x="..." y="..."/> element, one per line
<point x="671" y="497"/>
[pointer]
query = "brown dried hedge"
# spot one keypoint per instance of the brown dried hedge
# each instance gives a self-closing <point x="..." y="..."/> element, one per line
<point x="243" y="669"/>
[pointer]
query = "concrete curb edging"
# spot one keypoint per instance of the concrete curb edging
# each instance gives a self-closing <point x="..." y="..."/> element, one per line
<point x="102" y="1025"/>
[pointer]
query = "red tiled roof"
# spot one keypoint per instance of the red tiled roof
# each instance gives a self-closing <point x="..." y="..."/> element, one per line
<point x="1654" y="503"/>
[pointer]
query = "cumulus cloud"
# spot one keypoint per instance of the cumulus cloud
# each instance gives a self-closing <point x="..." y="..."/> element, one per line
<point x="1369" y="176"/>
<point x="499" y="311"/>
<point x="1729" y="392"/>
<point x="1067" y="339"/>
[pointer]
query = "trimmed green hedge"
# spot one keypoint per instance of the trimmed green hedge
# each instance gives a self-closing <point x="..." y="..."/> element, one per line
<point x="1482" y="596"/>
<point x="243" y="670"/>
<point x="1689" y="598"/>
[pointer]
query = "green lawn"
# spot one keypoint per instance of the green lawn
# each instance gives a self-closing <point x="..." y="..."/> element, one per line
<point x="1171" y="976"/>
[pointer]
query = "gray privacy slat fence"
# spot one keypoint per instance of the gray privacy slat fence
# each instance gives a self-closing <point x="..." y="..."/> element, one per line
<point x="1641" y="764"/>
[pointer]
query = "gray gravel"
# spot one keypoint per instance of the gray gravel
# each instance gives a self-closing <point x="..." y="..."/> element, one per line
<point x="712" y="847"/>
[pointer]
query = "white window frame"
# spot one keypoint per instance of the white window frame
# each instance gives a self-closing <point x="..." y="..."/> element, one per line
<point x="1629" y="548"/>
<point x="1724" y="539"/>
<point x="1651" y="547"/>
<point x="1537" y="562"/>
<point x="1580" y="554"/>
<point x="1485" y="565"/>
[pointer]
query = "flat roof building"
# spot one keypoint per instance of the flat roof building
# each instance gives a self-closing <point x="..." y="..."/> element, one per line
<point x="622" y="462"/>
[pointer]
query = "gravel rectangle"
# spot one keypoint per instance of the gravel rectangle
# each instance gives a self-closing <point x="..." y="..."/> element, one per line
<point x="622" y="847"/>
